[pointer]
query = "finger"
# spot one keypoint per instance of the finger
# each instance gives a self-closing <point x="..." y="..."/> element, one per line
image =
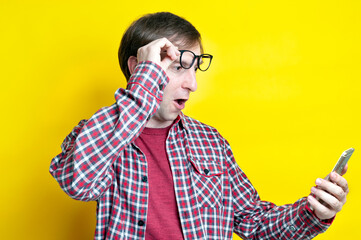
<point x="166" y="59"/>
<point x="331" y="189"/>
<point x="148" y="53"/>
<point x="169" y="57"/>
<point x="320" y="210"/>
<point x="344" y="170"/>
<point x="176" y="53"/>
<point x="168" y="54"/>
<point x="153" y="50"/>
<point x="340" y="181"/>
<point x="170" y="51"/>
<point x="327" y="199"/>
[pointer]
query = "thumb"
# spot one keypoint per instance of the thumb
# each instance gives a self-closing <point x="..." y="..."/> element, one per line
<point x="169" y="56"/>
<point x="166" y="62"/>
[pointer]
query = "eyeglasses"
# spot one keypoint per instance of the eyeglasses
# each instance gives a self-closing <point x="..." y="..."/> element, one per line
<point x="187" y="59"/>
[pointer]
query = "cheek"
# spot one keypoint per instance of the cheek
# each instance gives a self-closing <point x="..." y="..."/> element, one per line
<point x="171" y="87"/>
<point x="167" y="92"/>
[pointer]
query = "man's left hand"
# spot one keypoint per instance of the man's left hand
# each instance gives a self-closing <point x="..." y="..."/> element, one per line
<point x="329" y="196"/>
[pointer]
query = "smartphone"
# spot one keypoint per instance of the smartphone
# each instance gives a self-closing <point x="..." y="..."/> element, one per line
<point x="340" y="165"/>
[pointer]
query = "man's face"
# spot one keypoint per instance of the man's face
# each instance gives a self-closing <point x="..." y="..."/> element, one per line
<point x="181" y="83"/>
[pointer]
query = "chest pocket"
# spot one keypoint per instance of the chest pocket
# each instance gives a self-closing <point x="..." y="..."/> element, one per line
<point x="207" y="182"/>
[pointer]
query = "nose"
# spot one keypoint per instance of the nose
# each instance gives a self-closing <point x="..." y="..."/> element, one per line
<point x="190" y="81"/>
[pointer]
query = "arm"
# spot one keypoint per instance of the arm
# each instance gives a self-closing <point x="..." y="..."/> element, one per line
<point x="84" y="167"/>
<point x="256" y="219"/>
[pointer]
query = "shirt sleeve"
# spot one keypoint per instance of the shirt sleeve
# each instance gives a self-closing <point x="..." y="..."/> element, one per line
<point x="256" y="219"/>
<point x="84" y="167"/>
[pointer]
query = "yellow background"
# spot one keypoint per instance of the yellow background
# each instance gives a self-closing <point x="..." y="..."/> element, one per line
<point x="284" y="89"/>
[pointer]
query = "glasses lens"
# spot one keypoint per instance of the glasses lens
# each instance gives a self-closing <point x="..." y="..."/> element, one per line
<point x="187" y="59"/>
<point x="205" y="62"/>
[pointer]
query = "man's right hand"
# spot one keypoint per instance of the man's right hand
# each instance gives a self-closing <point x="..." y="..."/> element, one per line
<point x="160" y="51"/>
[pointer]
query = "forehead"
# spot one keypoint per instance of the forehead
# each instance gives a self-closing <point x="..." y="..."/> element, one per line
<point x="196" y="48"/>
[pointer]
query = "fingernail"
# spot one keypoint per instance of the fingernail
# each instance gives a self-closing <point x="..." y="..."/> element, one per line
<point x="313" y="189"/>
<point x="318" y="181"/>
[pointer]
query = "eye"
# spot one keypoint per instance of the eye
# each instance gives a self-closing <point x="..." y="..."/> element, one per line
<point x="176" y="68"/>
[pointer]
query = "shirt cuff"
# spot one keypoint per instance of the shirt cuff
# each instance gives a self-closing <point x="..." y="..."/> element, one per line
<point x="151" y="77"/>
<point x="310" y="219"/>
<point x="324" y="221"/>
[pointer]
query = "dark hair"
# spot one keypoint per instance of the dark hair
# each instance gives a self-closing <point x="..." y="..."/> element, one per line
<point x="154" y="26"/>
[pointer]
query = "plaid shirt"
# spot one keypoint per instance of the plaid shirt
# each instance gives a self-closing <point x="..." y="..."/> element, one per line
<point x="99" y="161"/>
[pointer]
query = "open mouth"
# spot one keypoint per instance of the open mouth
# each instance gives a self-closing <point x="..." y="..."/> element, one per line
<point x="180" y="103"/>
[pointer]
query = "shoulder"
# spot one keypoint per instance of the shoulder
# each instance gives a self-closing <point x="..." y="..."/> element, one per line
<point x="196" y="125"/>
<point x="200" y="129"/>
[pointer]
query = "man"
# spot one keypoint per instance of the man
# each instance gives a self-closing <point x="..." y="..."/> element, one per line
<point x="158" y="174"/>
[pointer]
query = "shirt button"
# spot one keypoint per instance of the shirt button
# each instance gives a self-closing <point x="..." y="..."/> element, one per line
<point x="292" y="228"/>
<point x="140" y="223"/>
<point x="161" y="86"/>
<point x="144" y="179"/>
<point x="206" y="171"/>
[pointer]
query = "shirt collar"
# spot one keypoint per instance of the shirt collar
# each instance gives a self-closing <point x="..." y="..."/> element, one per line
<point x="181" y="121"/>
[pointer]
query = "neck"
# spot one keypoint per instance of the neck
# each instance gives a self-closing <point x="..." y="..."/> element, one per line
<point x="154" y="123"/>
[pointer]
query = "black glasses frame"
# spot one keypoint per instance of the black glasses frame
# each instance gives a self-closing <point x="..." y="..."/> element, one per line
<point x="198" y="57"/>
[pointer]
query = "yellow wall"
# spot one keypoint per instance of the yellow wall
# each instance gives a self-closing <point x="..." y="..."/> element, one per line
<point x="284" y="89"/>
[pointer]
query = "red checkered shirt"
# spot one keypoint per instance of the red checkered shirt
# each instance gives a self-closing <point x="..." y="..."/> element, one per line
<point x="99" y="161"/>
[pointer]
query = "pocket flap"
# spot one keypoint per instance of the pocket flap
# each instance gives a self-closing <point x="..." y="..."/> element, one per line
<point x="207" y="169"/>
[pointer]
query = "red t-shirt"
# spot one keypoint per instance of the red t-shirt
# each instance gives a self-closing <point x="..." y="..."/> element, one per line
<point x="163" y="220"/>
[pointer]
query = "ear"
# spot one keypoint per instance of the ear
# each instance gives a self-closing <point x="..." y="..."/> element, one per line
<point x="132" y="63"/>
